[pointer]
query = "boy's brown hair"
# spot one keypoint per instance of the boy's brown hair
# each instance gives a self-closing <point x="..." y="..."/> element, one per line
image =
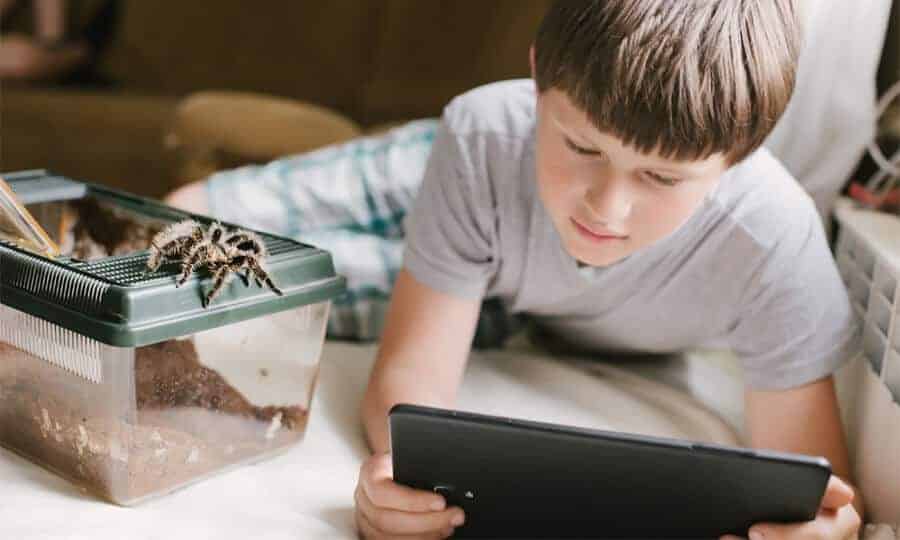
<point x="686" y="78"/>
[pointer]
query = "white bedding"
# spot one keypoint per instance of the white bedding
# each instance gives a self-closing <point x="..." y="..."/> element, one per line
<point x="306" y="493"/>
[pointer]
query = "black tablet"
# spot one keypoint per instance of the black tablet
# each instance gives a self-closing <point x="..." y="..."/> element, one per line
<point x="522" y="479"/>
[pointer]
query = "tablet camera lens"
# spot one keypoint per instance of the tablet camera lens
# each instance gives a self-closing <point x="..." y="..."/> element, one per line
<point x="444" y="491"/>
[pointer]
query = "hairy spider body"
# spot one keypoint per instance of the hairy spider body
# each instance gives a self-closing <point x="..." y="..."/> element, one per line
<point x="223" y="252"/>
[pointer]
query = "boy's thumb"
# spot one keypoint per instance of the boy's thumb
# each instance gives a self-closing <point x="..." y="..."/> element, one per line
<point x="837" y="494"/>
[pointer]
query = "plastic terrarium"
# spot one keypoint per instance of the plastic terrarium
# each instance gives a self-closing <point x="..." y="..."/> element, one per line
<point x="128" y="386"/>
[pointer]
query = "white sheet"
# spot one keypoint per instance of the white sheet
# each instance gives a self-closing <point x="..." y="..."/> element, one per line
<point x="307" y="492"/>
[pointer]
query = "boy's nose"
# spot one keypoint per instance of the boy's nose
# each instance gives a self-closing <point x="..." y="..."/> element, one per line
<point x="609" y="202"/>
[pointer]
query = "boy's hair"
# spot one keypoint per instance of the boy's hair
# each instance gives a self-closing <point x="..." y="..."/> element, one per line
<point x="686" y="78"/>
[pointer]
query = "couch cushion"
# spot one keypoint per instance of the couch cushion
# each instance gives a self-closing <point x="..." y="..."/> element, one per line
<point x="429" y="52"/>
<point x="315" y="51"/>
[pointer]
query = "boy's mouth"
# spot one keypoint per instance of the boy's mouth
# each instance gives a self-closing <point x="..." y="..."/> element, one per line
<point x="596" y="234"/>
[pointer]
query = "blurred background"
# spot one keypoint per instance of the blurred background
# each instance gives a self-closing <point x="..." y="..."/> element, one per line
<point x="146" y="95"/>
<point x="166" y="88"/>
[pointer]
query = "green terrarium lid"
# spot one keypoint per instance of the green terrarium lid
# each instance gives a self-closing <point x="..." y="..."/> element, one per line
<point x="116" y="301"/>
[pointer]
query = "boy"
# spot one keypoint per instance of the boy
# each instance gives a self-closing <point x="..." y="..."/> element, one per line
<point x="622" y="201"/>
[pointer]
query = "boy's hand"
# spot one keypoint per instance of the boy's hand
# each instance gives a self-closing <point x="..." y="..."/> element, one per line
<point x="837" y="519"/>
<point x="385" y="509"/>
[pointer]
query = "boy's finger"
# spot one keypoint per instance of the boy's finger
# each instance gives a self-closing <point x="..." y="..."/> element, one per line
<point x="781" y="531"/>
<point x="387" y="494"/>
<point x="378" y="483"/>
<point x="839" y="525"/>
<point x="395" y="522"/>
<point x="837" y="494"/>
<point x="369" y="532"/>
<point x="377" y="467"/>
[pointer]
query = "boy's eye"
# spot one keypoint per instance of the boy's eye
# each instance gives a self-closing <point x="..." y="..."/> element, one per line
<point x="664" y="180"/>
<point x="581" y="151"/>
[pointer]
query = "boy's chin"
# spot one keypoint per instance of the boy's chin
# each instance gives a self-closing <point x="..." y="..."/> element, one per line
<point x="596" y="256"/>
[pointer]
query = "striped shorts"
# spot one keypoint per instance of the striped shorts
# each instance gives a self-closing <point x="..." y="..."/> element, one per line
<point x="349" y="199"/>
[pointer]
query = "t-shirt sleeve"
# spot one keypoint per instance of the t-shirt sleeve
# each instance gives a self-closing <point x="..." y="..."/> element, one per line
<point x="796" y="324"/>
<point x="450" y="232"/>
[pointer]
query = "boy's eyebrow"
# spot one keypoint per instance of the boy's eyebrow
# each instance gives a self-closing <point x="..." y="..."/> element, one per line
<point x="661" y="169"/>
<point x="589" y="149"/>
<point x="559" y="124"/>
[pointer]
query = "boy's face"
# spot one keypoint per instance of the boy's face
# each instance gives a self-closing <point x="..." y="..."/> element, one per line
<point x="608" y="200"/>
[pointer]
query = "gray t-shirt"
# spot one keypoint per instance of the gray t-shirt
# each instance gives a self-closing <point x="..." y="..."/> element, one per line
<point x="749" y="270"/>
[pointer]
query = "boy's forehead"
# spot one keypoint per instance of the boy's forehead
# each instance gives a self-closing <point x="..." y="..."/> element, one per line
<point x="571" y="120"/>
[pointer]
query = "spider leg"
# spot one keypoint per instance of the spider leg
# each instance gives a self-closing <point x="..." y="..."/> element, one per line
<point x="173" y="247"/>
<point x="236" y="264"/>
<point x="247" y="242"/>
<point x="256" y="279"/>
<point x="219" y="277"/>
<point x="240" y="262"/>
<point x="168" y="250"/>
<point x="155" y="258"/>
<point x="245" y="277"/>
<point x="261" y="275"/>
<point x="187" y="267"/>
<point x="159" y="254"/>
<point x="235" y="237"/>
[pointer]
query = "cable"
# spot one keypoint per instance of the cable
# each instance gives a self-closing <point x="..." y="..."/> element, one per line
<point x="886" y="167"/>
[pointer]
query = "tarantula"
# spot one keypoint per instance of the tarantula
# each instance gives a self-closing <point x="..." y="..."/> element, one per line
<point x="224" y="252"/>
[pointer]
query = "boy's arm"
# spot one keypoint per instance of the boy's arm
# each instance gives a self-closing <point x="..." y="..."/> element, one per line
<point x="812" y="427"/>
<point x="422" y="355"/>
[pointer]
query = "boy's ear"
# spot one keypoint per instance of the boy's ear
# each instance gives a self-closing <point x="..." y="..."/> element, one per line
<point x="531" y="59"/>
